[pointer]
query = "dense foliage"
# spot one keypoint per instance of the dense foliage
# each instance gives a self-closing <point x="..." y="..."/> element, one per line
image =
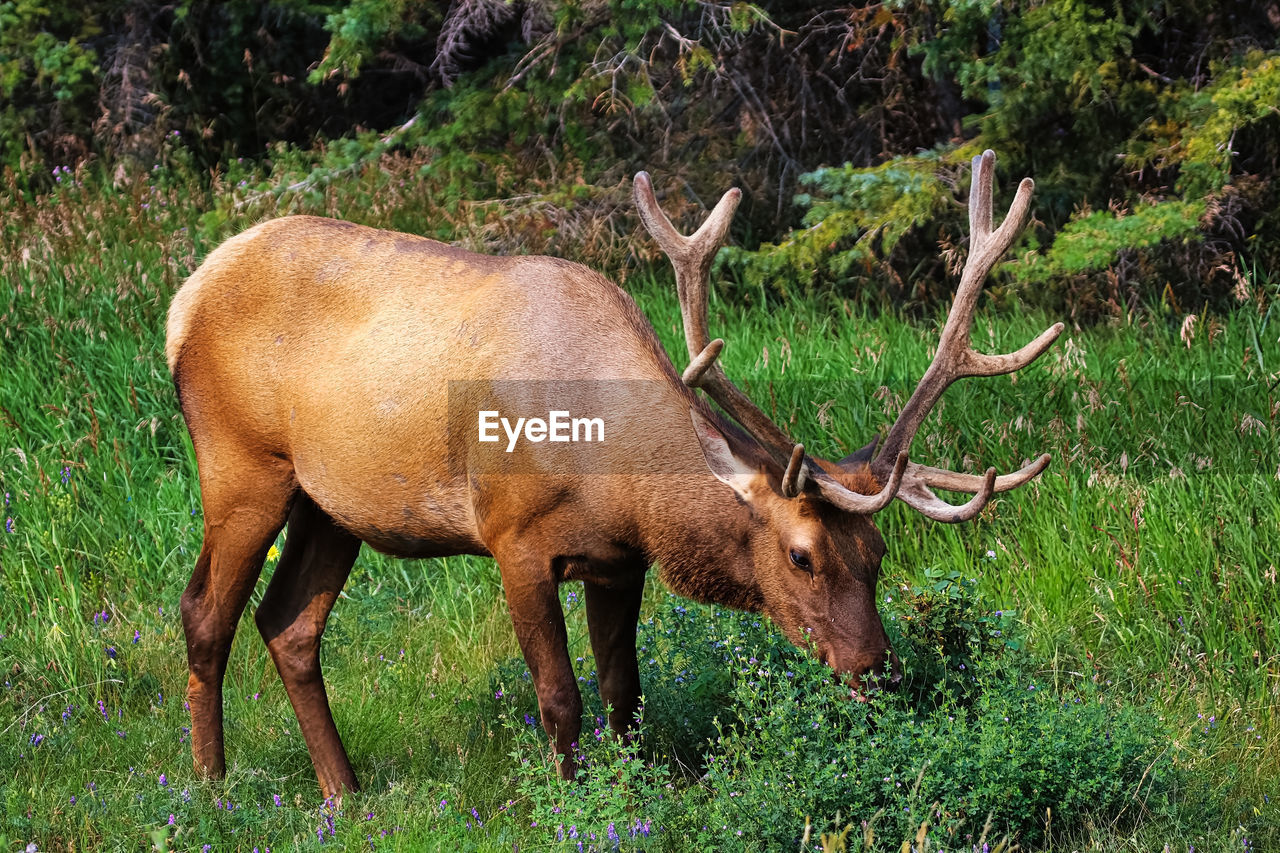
<point x="781" y="743"/>
<point x="1150" y="128"/>
<point x="1149" y="124"/>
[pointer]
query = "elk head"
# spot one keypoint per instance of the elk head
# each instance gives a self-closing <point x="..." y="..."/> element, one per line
<point x="815" y="550"/>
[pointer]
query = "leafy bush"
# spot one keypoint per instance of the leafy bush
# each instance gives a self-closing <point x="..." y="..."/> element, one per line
<point x="745" y="739"/>
<point x="621" y="799"/>
<point x="1149" y="128"/>
<point x="1004" y="750"/>
<point x="944" y="632"/>
<point x="48" y="80"/>
<point x="858" y="222"/>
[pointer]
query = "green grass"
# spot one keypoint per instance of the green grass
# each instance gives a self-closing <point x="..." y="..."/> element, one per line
<point x="1141" y="566"/>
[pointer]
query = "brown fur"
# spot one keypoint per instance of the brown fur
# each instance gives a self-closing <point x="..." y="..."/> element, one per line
<point x="317" y="363"/>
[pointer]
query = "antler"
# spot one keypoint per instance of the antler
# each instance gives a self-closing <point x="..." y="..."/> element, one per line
<point x="691" y="257"/>
<point x="955" y="359"/>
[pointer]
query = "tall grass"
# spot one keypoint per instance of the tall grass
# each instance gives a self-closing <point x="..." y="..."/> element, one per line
<point x="1142" y="564"/>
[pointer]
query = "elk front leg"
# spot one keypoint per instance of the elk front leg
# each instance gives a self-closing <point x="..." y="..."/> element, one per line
<point x="538" y="619"/>
<point x="317" y="558"/>
<point x="612" y="614"/>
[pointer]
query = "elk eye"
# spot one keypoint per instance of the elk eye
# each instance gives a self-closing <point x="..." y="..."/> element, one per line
<point x="800" y="560"/>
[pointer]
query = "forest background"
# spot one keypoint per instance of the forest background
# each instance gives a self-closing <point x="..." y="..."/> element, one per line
<point x="1150" y="125"/>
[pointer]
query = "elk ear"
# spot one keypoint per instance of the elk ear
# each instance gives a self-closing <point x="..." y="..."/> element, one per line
<point x="729" y="468"/>
<point x="861" y="457"/>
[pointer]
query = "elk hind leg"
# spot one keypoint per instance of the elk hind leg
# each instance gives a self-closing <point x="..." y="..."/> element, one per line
<point x="239" y="526"/>
<point x="317" y="558"/>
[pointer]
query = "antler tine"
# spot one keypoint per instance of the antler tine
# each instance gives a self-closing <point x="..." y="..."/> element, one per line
<point x="981" y="191"/>
<point x="955" y="359"/>
<point x="850" y="501"/>
<point x="918" y="496"/>
<point x="940" y="478"/>
<point x="691" y="257"/>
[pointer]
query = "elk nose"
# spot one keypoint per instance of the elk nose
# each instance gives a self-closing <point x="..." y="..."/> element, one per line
<point x="879" y="677"/>
<point x="895" y="671"/>
<point x="885" y="677"/>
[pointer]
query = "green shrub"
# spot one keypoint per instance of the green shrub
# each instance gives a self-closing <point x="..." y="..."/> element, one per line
<point x="858" y="222"/>
<point x="1154" y="167"/>
<point x="48" y="80"/>
<point x="746" y="738"/>
<point x="1006" y="749"/>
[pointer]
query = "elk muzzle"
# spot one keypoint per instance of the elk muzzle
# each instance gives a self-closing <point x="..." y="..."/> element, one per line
<point x="867" y="672"/>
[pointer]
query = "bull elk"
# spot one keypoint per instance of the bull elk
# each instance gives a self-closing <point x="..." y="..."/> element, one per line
<point x="318" y="364"/>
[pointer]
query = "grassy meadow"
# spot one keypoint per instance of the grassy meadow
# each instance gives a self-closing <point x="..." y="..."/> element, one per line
<point x="1093" y="664"/>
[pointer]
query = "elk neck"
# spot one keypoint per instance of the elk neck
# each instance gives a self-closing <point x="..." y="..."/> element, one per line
<point x="699" y="533"/>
